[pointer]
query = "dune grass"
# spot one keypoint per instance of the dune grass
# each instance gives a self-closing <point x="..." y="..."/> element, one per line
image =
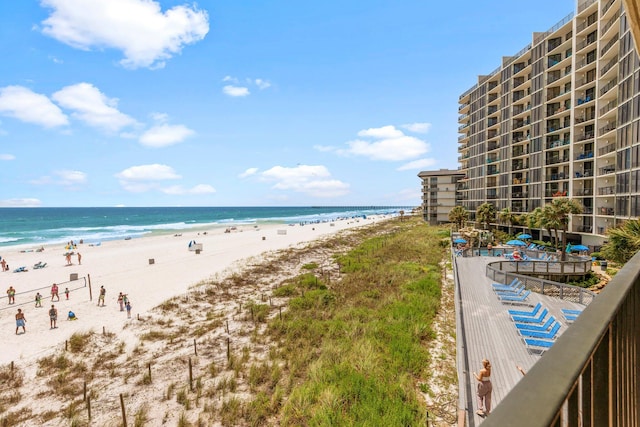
<point x="355" y="349"/>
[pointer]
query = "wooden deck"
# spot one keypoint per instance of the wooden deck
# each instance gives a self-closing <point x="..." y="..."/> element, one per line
<point x="485" y="330"/>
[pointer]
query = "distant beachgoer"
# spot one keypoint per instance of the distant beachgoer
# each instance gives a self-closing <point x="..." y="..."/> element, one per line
<point x="66" y="292"/>
<point x="54" y="292"/>
<point x="128" y="310"/>
<point x="103" y="293"/>
<point x="72" y="316"/>
<point x="121" y="301"/>
<point x="79" y="258"/>
<point x="11" y="294"/>
<point x="38" y="300"/>
<point x="125" y="299"/>
<point x="68" y="256"/>
<point x="20" y="321"/>
<point x="53" y="317"/>
<point x="4" y="265"/>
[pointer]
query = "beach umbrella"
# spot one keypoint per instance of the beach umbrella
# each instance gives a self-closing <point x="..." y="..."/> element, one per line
<point x="459" y="240"/>
<point x="579" y="248"/>
<point x="524" y="236"/>
<point x="516" y="243"/>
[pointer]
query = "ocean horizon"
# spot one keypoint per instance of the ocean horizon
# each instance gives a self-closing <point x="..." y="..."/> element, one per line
<point x="47" y="225"/>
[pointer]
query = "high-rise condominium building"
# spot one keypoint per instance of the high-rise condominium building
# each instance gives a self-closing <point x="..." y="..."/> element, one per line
<point x="440" y="193"/>
<point x="561" y="118"/>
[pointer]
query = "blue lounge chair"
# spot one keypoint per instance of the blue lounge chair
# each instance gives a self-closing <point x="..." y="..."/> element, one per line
<point x="548" y="335"/>
<point x="531" y="313"/>
<point x="570" y="318"/>
<point x="537" y="345"/>
<point x="527" y="319"/>
<point x="533" y="327"/>
<point x="514" y="299"/>
<point x="515" y="282"/>
<point x="519" y="289"/>
<point x="569" y="311"/>
<point x="20" y="270"/>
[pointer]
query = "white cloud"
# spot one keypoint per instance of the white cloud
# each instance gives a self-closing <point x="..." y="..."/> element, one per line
<point x="248" y="172"/>
<point x="69" y="177"/>
<point x="7" y="157"/>
<point x="389" y="144"/>
<point x="235" y="90"/>
<point x="230" y="79"/>
<point x="165" y="135"/>
<point x="315" y="181"/>
<point x="92" y="107"/>
<point x="27" y="106"/>
<point x="20" y="203"/>
<point x="262" y="84"/>
<point x="198" y="189"/>
<point x="324" y="148"/>
<point x="417" y="164"/>
<point x="417" y="127"/>
<point x="145" y="34"/>
<point x="137" y="179"/>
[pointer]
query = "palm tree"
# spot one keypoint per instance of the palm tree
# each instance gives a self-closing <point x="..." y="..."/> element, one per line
<point x="550" y="221"/>
<point x="507" y="217"/>
<point x="486" y="214"/>
<point x="623" y="241"/>
<point x="560" y="211"/>
<point x="458" y="215"/>
<point x="532" y="219"/>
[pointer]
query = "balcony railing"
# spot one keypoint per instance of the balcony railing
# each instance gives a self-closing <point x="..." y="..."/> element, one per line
<point x="606" y="150"/>
<point x="606" y="47"/>
<point x="584" y="136"/>
<point x="605" y="211"/>
<point x="609" y="65"/>
<point x="607" y="170"/>
<point x="583" y="192"/>
<point x="607" y="128"/>
<point x="606" y="88"/>
<point x="607" y="6"/>
<point x="605" y="191"/>
<point x="590" y="375"/>
<point x="558" y="143"/>
<point x="608" y="107"/>
<point x="557" y="176"/>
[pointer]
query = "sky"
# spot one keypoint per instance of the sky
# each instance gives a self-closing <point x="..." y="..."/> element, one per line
<point x="242" y="103"/>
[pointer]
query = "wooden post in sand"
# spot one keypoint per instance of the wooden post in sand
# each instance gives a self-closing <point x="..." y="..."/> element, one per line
<point x="227" y="326"/>
<point x="84" y="392"/>
<point x="90" y="294"/>
<point x="190" y="376"/>
<point x="89" y="407"/>
<point x="228" y="349"/>
<point x="124" y="414"/>
<point x="195" y="347"/>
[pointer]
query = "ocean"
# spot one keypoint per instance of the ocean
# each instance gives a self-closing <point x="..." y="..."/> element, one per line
<point x="42" y="226"/>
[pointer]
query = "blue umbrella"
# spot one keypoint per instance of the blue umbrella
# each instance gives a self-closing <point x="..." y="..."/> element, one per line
<point x="459" y="240"/>
<point x="516" y="243"/>
<point x="524" y="236"/>
<point x="579" y="248"/>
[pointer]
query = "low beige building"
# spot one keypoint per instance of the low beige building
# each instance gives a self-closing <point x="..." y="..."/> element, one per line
<point x="440" y="192"/>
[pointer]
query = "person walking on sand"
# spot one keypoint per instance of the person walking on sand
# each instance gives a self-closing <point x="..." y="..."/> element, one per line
<point x="103" y="293"/>
<point x="11" y="294"/>
<point x="484" y="389"/>
<point x="66" y="293"/>
<point x="128" y="309"/>
<point x="121" y="301"/>
<point x="79" y="259"/>
<point x="20" y="321"/>
<point x="38" y="300"/>
<point x="53" y="317"/>
<point x="68" y="256"/>
<point x="4" y="265"/>
<point x="54" y="292"/>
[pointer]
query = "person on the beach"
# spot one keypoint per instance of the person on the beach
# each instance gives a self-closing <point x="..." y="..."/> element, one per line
<point x="484" y="389"/>
<point x="121" y="301"/>
<point x="66" y="292"/>
<point x="20" y="321"/>
<point x="11" y="294"/>
<point x="38" y="300"/>
<point x="4" y="265"/>
<point x="128" y="309"/>
<point x="103" y="293"/>
<point x="125" y="299"/>
<point x="54" y="292"/>
<point x="72" y="316"/>
<point x="53" y="316"/>
<point x="68" y="256"/>
<point x="79" y="258"/>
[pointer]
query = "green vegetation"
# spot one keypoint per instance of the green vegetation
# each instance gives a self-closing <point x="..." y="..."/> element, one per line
<point x="623" y="242"/>
<point x="458" y="215"/>
<point x="355" y="350"/>
<point x="485" y="215"/>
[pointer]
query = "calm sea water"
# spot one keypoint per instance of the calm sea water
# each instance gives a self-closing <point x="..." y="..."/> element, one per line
<point x="40" y="226"/>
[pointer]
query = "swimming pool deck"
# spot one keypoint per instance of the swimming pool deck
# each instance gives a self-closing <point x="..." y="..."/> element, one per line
<point x="485" y="330"/>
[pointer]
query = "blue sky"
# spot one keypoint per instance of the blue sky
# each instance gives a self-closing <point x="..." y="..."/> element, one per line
<point x="241" y="103"/>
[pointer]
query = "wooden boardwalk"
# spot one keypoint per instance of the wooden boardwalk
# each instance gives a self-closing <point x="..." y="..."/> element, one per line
<point x="485" y="330"/>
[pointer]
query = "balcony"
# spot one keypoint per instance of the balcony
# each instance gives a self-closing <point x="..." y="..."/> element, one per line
<point x="555" y="160"/>
<point x="520" y="195"/>
<point x="587" y="173"/>
<point x="492" y="171"/>
<point x="583" y="192"/>
<point x="555" y="193"/>
<point x="585" y="155"/>
<point x="609" y="66"/>
<point x="607" y="170"/>
<point x="606" y="88"/>
<point x="584" y="229"/>
<point x="492" y="121"/>
<point x="606" y="191"/>
<point x="610" y="105"/>
<point x="492" y="145"/>
<point x="585" y="136"/>
<point x="606" y="150"/>
<point x="607" y="128"/>
<point x="557" y="176"/>
<point x="605" y="211"/>
<point x="519" y="151"/>
<point x="519" y="166"/>
<point x="558" y="143"/>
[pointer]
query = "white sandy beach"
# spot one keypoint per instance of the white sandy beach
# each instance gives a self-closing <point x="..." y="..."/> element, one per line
<point x="123" y="266"/>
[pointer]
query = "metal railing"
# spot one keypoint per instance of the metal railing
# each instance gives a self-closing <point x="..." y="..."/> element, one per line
<point x="591" y="375"/>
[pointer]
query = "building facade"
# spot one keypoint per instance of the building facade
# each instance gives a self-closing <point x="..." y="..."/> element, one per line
<point x="440" y="193"/>
<point x="561" y="118"/>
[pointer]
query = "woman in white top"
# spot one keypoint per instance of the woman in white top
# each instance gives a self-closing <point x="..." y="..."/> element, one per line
<point x="484" y="389"/>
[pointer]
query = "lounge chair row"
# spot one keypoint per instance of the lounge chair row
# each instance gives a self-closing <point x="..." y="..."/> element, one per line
<point x="514" y="293"/>
<point x="538" y="331"/>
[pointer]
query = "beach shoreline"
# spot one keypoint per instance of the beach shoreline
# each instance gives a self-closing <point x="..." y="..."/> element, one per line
<point x="150" y="270"/>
